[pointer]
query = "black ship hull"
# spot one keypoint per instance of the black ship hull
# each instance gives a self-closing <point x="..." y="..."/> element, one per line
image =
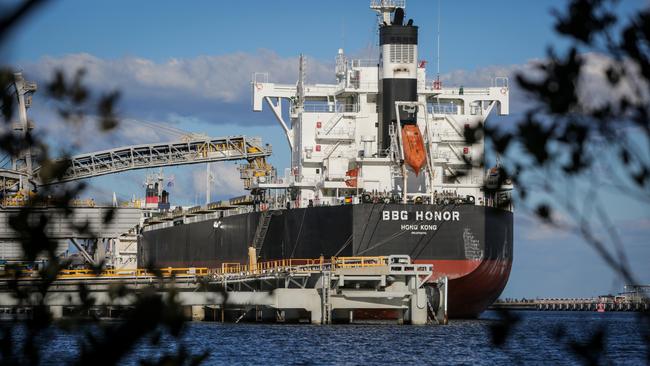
<point x="472" y="245"/>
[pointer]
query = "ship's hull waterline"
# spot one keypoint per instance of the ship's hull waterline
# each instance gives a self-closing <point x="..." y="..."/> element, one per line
<point x="470" y="244"/>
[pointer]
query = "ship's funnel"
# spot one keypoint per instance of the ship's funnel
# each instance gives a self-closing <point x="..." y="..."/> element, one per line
<point x="399" y="16"/>
<point x="397" y="74"/>
<point x="415" y="155"/>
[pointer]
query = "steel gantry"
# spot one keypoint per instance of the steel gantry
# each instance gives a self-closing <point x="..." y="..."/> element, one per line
<point x="193" y="151"/>
<point x="23" y="174"/>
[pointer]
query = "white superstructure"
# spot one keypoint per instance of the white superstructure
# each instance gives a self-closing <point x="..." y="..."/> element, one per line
<point x="334" y="130"/>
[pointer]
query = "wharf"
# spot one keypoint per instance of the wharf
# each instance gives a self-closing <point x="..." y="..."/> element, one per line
<point x="600" y="304"/>
<point x="388" y="288"/>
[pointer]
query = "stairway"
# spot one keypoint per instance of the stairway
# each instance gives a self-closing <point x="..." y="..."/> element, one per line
<point x="332" y="122"/>
<point x="262" y="228"/>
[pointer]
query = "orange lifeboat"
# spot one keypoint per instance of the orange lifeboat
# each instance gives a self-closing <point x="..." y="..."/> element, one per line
<point x="414" y="154"/>
<point x="352" y="180"/>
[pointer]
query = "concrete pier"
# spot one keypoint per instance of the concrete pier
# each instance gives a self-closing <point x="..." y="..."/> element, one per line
<point x="346" y="290"/>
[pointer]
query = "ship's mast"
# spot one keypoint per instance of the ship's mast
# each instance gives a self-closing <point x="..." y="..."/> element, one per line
<point x="438" y="84"/>
<point x="438" y="44"/>
<point x="300" y="87"/>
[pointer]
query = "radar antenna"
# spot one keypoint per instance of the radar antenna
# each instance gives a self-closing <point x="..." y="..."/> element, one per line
<point x="385" y="7"/>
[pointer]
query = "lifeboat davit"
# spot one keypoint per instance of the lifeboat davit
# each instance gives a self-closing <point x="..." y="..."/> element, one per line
<point x="414" y="153"/>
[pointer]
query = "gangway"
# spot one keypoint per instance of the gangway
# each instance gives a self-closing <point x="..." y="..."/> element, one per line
<point x="262" y="228"/>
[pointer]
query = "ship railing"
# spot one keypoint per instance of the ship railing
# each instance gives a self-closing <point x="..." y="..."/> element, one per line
<point x="364" y="63"/>
<point x="170" y="271"/>
<point x="496" y="82"/>
<point x="315" y="265"/>
<point x="477" y="91"/>
<point x="230" y="267"/>
<point x="466" y="91"/>
<point x="280" y="265"/>
<point x="285" y="264"/>
<point x="359" y="262"/>
<point x="139" y="272"/>
<point x="331" y="108"/>
<point x="20" y="201"/>
<point x="355" y="84"/>
<point x="443" y="108"/>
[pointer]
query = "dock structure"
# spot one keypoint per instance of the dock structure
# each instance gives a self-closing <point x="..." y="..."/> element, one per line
<point x="63" y="227"/>
<point x="317" y="291"/>
<point x="600" y="304"/>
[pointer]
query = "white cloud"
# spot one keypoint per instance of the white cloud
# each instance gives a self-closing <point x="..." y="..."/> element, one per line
<point x="485" y="76"/>
<point x="225" y="182"/>
<point x="84" y="137"/>
<point x="224" y="78"/>
<point x="593" y="88"/>
<point x="196" y="86"/>
<point x="208" y="89"/>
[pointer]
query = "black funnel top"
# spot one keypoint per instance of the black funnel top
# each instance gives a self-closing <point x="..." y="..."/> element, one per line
<point x="398" y="19"/>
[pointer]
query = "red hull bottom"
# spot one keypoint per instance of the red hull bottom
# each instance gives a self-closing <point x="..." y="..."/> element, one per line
<point x="473" y="284"/>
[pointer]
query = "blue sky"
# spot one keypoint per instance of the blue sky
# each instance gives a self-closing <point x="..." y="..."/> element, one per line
<point x="188" y="64"/>
<point x="160" y="30"/>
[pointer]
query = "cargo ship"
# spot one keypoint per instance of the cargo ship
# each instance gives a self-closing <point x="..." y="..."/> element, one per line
<point x="379" y="165"/>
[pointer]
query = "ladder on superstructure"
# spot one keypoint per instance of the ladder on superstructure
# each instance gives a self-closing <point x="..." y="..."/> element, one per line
<point x="332" y="122"/>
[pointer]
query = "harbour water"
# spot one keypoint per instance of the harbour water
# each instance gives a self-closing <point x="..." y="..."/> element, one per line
<point x="534" y="341"/>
